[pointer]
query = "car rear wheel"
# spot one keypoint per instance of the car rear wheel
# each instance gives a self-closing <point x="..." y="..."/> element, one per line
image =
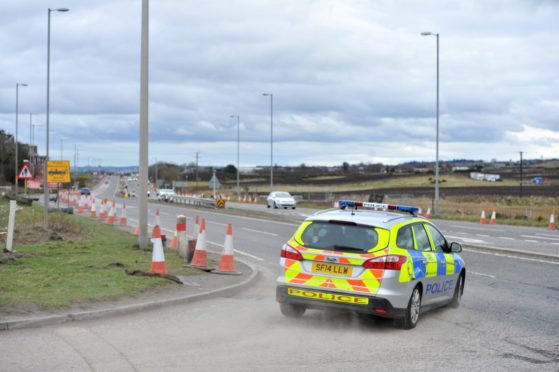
<point x="412" y="312"/>
<point x="292" y="311"/>
<point x="458" y="291"/>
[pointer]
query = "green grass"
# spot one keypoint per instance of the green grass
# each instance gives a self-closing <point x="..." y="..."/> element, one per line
<point x="88" y="265"/>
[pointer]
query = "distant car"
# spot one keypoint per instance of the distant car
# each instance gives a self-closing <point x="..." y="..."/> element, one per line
<point x="280" y="199"/>
<point x="165" y="194"/>
<point x="133" y="194"/>
<point x="85" y="191"/>
<point x="149" y="193"/>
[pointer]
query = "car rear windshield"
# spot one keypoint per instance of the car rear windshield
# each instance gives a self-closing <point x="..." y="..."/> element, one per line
<point x="339" y="236"/>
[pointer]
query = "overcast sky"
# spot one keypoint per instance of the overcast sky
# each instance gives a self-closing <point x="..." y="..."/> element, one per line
<point x="351" y="80"/>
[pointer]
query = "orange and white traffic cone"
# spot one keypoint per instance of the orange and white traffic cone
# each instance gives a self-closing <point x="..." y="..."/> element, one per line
<point x="173" y="244"/>
<point x="111" y="216"/>
<point x="420" y="212"/>
<point x="103" y="209"/>
<point x="336" y="204"/>
<point x="200" y="259"/>
<point x="80" y="204"/>
<point x="227" y="263"/>
<point x="158" y="256"/>
<point x="482" y="218"/>
<point x="493" y="219"/>
<point x="136" y="231"/>
<point x="552" y="221"/>
<point x="123" y="219"/>
<point x="157" y="221"/>
<point x="93" y="210"/>
<point x="428" y="214"/>
<point x="86" y="202"/>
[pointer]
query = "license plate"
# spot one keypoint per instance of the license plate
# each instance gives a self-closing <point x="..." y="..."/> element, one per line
<point x="318" y="267"/>
<point x="336" y="297"/>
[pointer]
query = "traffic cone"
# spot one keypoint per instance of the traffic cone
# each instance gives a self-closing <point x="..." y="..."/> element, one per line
<point x="336" y="204"/>
<point x="428" y="214"/>
<point x="493" y="220"/>
<point x="93" y="210"/>
<point x="200" y="259"/>
<point x="158" y="256"/>
<point x="552" y="221"/>
<point x="157" y="222"/>
<point x="111" y="216"/>
<point x="123" y="219"/>
<point x="80" y="204"/>
<point x="86" y="202"/>
<point x="482" y="218"/>
<point x="420" y="212"/>
<point x="102" y="209"/>
<point x="137" y="230"/>
<point x="227" y="262"/>
<point x="173" y="244"/>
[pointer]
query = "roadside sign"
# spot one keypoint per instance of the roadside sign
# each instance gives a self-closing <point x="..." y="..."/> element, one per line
<point x="214" y="183"/>
<point x="25" y="173"/>
<point x="58" y="171"/>
<point x="220" y="203"/>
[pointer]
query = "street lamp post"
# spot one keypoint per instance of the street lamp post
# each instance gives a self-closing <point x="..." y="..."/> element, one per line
<point x="238" y="141"/>
<point x="436" y="206"/>
<point x="144" y="106"/>
<point x="271" y="139"/>
<point x="17" y="112"/>
<point x="45" y="182"/>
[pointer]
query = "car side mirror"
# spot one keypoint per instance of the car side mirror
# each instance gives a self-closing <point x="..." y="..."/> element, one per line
<point x="455" y="247"/>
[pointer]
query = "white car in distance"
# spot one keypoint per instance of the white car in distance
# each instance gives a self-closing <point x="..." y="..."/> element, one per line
<point x="280" y="199"/>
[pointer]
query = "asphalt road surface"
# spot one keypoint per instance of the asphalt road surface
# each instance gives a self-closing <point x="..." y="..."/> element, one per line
<point x="508" y="320"/>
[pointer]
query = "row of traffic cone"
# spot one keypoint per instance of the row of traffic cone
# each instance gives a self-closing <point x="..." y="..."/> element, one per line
<point x="493" y="219"/>
<point x="200" y="257"/>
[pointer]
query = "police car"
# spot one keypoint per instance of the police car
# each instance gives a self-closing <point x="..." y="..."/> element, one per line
<point x="370" y="258"/>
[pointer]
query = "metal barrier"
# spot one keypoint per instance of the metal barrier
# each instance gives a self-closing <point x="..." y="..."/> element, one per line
<point x="196" y="201"/>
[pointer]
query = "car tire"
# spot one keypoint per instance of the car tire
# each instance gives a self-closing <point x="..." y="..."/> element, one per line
<point x="275" y="205"/>
<point x="292" y="207"/>
<point x="292" y="311"/>
<point x="458" y="291"/>
<point x="413" y="310"/>
<point x="267" y="205"/>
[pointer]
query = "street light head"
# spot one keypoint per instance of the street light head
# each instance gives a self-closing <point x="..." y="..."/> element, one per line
<point x="426" y="33"/>
<point x="265" y="94"/>
<point x="23" y="84"/>
<point x="62" y="10"/>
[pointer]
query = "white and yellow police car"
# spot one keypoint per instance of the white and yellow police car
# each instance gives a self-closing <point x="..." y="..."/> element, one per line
<point x="368" y="258"/>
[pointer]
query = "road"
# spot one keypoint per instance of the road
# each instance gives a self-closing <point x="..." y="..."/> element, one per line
<point x="508" y="320"/>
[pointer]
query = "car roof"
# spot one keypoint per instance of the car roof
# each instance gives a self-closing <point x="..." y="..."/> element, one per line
<point x="382" y="219"/>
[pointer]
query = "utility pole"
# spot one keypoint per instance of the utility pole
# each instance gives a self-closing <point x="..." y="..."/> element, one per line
<point x="197" y="156"/>
<point x="520" y="173"/>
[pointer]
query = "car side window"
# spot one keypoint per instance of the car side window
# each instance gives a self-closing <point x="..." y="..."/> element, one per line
<point x="438" y="239"/>
<point x="421" y="238"/>
<point x="405" y="238"/>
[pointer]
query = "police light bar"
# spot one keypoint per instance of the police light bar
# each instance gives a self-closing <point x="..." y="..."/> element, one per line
<point x="377" y="206"/>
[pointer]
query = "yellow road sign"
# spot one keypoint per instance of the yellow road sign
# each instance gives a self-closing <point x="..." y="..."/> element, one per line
<point x="58" y="171"/>
<point x="220" y="203"/>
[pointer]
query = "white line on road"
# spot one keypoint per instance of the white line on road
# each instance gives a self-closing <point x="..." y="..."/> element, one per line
<point x="260" y="232"/>
<point x="217" y="223"/>
<point x="548" y="235"/>
<point x="539" y="237"/>
<point x="506" y="237"/>
<point x="509" y="256"/>
<point x="480" y="274"/>
<point x="530" y="241"/>
<point x="485" y="236"/>
<point x="468" y="240"/>
<point x="471" y="228"/>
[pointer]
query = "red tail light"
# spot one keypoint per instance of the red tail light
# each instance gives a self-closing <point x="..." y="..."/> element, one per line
<point x="288" y="251"/>
<point x="390" y="262"/>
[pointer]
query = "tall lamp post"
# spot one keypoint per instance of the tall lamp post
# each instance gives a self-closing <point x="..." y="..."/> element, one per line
<point x="45" y="182"/>
<point x="271" y="139"/>
<point x="17" y="114"/>
<point x="144" y="102"/>
<point x="436" y="206"/>
<point x="238" y="140"/>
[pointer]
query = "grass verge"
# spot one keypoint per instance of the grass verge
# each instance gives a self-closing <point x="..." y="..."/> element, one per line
<point x="80" y="261"/>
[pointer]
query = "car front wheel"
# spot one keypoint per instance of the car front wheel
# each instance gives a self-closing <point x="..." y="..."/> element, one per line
<point x="458" y="291"/>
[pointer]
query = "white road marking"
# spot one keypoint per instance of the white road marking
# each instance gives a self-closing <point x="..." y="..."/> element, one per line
<point x="472" y="228"/>
<point x="485" y="236"/>
<point x="530" y="241"/>
<point x="506" y="238"/>
<point x="509" y="256"/>
<point x="467" y="240"/>
<point x="539" y="237"/>
<point x="260" y="232"/>
<point x="238" y="251"/>
<point x="480" y="274"/>
<point x="217" y="223"/>
<point x="549" y="235"/>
